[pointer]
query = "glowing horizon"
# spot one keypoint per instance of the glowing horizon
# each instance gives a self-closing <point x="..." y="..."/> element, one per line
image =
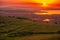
<point x="48" y="12"/>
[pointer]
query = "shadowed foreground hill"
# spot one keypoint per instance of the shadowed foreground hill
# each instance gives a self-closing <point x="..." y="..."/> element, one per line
<point x="13" y="26"/>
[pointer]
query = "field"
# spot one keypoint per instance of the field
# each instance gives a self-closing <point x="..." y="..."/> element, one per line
<point x="20" y="28"/>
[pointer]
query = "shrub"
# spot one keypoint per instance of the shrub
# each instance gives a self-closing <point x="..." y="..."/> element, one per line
<point x="22" y="18"/>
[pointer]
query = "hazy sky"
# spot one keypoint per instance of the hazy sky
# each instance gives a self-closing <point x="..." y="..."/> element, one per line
<point x="43" y="3"/>
<point x="31" y="4"/>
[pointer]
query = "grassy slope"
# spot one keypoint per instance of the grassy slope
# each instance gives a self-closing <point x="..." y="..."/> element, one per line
<point x="13" y="25"/>
<point x="26" y="25"/>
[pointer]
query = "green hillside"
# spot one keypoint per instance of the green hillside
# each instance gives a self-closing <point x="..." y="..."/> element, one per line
<point x="10" y="25"/>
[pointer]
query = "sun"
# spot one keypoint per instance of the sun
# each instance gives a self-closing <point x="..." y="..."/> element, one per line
<point x="45" y="2"/>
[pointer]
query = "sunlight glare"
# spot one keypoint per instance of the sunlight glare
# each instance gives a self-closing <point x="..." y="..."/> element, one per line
<point x="45" y="2"/>
<point x="46" y="20"/>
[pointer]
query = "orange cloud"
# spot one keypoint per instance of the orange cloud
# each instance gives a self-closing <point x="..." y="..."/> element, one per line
<point x="16" y="0"/>
<point x="52" y="4"/>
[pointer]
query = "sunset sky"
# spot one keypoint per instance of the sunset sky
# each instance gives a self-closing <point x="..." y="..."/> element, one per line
<point x="36" y="4"/>
<point x="41" y="3"/>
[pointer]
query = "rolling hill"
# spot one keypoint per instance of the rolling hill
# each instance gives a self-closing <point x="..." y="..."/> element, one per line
<point x="13" y="26"/>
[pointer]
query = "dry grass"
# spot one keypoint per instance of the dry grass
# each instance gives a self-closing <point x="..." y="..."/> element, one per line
<point x="12" y="25"/>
